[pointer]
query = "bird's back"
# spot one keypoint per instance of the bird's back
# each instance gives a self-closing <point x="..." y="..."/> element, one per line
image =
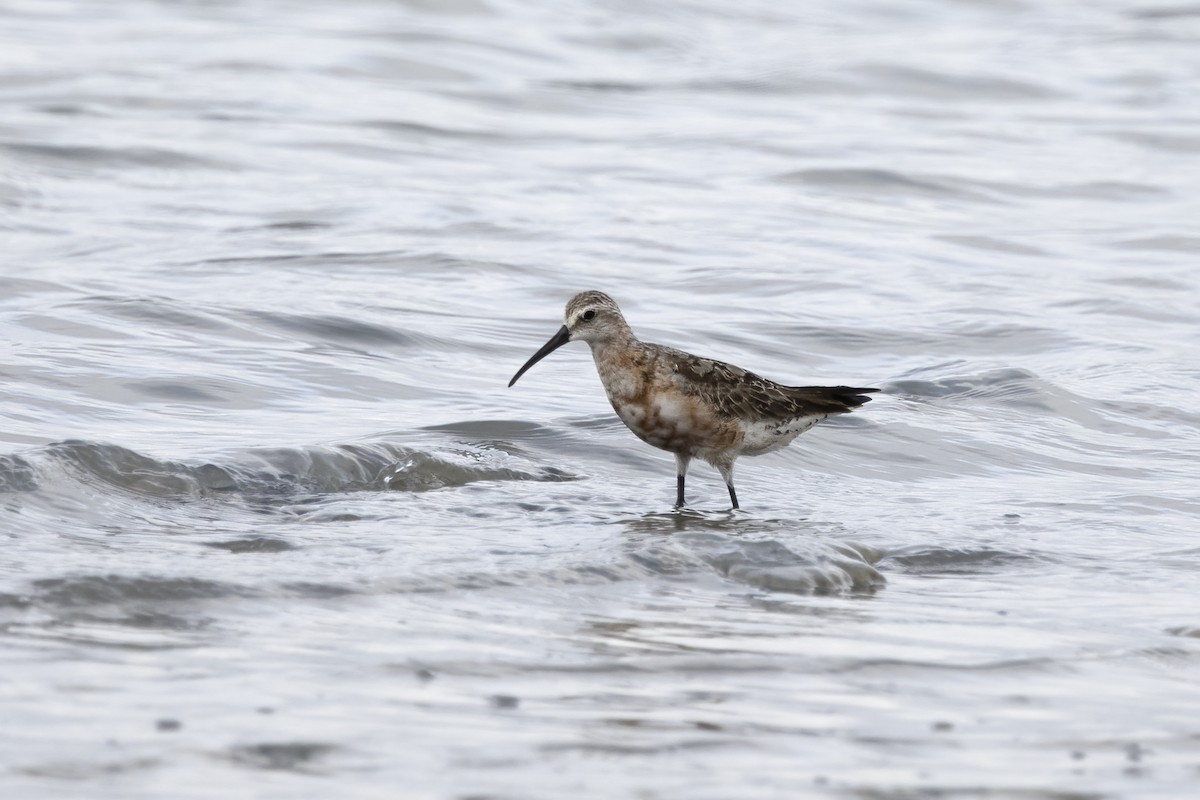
<point x="737" y="393"/>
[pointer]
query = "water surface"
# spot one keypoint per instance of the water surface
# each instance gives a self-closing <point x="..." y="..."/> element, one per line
<point x="273" y="525"/>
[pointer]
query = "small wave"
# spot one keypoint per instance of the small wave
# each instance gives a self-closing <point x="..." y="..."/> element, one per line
<point x="802" y="567"/>
<point x="12" y="288"/>
<point x="110" y="157"/>
<point x="424" y="471"/>
<point x="323" y="329"/>
<point x="14" y="600"/>
<point x="1167" y="244"/>
<point x="16" y="474"/>
<point x="1115" y="191"/>
<point x="131" y="471"/>
<point x="252" y="544"/>
<point x="1024" y="391"/>
<point x="924" y="83"/>
<point x="375" y="466"/>
<point x="775" y="555"/>
<point x="141" y="599"/>
<point x="994" y="245"/>
<point x="408" y="129"/>
<point x="770" y="565"/>
<point x="283" y="756"/>
<point x="97" y="590"/>
<point x="80" y="771"/>
<point x="151" y="310"/>
<point x="1163" y="142"/>
<point x="1012" y="385"/>
<point x="1172" y="12"/>
<point x="364" y="466"/>
<point x="883" y="182"/>
<point x="13" y="196"/>
<point x="1186" y="631"/>
<point x="922" y="560"/>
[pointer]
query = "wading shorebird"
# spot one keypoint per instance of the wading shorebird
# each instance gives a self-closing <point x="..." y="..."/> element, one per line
<point x="690" y="406"/>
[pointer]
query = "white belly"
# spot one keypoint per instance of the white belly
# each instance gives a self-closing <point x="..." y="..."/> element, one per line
<point x="764" y="437"/>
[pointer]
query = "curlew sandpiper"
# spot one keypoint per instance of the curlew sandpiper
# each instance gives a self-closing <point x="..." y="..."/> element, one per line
<point x="690" y="406"/>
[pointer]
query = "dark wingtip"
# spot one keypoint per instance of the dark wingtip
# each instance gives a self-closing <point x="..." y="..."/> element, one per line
<point x="854" y="396"/>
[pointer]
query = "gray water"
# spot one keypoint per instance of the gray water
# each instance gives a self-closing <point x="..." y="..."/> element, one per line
<point x="273" y="526"/>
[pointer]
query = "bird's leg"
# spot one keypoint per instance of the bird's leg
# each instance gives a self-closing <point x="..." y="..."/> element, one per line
<point x="681" y="465"/>
<point x="726" y="471"/>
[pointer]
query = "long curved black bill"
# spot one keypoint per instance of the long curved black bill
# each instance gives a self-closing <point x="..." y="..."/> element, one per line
<point x="556" y="341"/>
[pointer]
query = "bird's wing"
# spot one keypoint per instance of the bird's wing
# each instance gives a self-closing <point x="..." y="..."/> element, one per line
<point x="735" y="392"/>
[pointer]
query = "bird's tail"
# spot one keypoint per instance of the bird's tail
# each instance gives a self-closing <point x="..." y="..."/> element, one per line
<point x="834" y="399"/>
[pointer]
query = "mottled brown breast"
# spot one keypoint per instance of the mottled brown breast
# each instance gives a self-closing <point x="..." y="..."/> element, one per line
<point x="642" y="391"/>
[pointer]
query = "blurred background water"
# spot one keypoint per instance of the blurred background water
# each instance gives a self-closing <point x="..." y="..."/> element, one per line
<point x="273" y="526"/>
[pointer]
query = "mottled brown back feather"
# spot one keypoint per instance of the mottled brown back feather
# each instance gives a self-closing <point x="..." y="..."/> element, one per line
<point x="735" y="393"/>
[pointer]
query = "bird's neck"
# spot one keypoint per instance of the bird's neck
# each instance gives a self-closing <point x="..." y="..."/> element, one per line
<point x="613" y="346"/>
<point x="618" y="359"/>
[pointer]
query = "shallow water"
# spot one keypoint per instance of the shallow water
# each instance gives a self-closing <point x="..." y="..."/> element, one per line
<point x="274" y="526"/>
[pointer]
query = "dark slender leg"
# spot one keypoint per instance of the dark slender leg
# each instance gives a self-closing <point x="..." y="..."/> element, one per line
<point x="726" y="470"/>
<point x="681" y="465"/>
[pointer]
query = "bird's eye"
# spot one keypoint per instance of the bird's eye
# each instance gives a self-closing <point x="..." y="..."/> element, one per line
<point x="589" y="315"/>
